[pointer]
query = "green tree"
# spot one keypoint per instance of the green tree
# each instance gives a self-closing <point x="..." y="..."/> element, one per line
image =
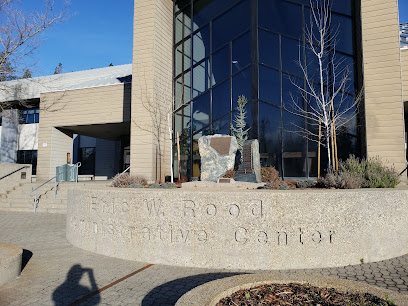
<point x="239" y="131"/>
<point x="58" y="69"/>
<point x="27" y="74"/>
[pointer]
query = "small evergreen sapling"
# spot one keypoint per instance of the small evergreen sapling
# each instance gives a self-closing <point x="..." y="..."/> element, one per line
<point x="239" y="131"/>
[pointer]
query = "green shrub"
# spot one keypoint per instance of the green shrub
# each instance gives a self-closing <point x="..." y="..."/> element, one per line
<point x="305" y="184"/>
<point x="124" y="180"/>
<point x="379" y="176"/>
<point x="366" y="173"/>
<point x="341" y="180"/>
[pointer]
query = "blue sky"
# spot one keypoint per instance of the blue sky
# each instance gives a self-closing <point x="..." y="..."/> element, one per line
<point x="98" y="33"/>
<point x="403" y="10"/>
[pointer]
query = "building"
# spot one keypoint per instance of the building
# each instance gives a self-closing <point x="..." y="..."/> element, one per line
<point x="56" y="109"/>
<point x="201" y="55"/>
<point x="404" y="35"/>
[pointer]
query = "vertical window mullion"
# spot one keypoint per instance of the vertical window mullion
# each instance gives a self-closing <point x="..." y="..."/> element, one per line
<point x="211" y="79"/>
<point x="281" y="107"/>
<point x="306" y="122"/>
<point x="254" y="69"/>
<point x="191" y="89"/>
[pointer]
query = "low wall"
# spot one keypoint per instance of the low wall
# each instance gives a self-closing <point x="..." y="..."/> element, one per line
<point x="248" y="229"/>
<point x="10" y="262"/>
<point x="13" y="180"/>
<point x="209" y="294"/>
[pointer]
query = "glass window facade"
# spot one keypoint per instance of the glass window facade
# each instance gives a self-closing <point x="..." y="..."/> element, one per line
<point x="28" y="157"/>
<point x="224" y="49"/>
<point x="31" y="115"/>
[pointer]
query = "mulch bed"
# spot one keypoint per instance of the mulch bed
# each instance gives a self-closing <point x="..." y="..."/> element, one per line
<point x="297" y="294"/>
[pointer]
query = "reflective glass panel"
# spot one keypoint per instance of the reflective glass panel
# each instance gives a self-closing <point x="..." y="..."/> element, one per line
<point x="281" y="16"/>
<point x="182" y="25"/>
<point x="221" y="65"/>
<point x="292" y="53"/>
<point x="178" y="65"/>
<point x="182" y="121"/>
<point x="269" y="135"/>
<point x="201" y="112"/>
<point x="178" y="92"/>
<point x="241" y="85"/>
<point x="222" y="126"/>
<point x="294" y="154"/>
<point x="344" y="70"/>
<point x="268" y="48"/>
<point x="241" y="52"/>
<point x="201" y="78"/>
<point x="231" y="24"/>
<point x="187" y="53"/>
<point x="342" y="28"/>
<point x="221" y="101"/>
<point x="206" y="10"/>
<point x="291" y="93"/>
<point x="269" y="85"/>
<point x="201" y="44"/>
<point x="179" y="4"/>
<point x="187" y="87"/>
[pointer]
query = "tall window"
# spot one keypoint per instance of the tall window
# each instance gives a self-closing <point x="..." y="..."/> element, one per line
<point x="31" y="115"/>
<point x="28" y="157"/>
<point x="223" y="49"/>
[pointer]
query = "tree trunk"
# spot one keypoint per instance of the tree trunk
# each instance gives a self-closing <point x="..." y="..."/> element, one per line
<point x="328" y="148"/>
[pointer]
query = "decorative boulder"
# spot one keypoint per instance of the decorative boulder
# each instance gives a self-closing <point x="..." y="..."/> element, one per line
<point x="217" y="156"/>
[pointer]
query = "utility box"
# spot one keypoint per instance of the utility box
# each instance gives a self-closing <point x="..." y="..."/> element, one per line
<point x="67" y="173"/>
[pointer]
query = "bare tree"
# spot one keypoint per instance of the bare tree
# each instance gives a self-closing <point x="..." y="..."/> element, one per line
<point x="158" y="104"/>
<point x="323" y="96"/>
<point x="20" y="37"/>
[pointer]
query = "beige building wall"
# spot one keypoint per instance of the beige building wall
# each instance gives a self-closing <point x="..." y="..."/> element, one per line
<point x="382" y="81"/>
<point x="404" y="66"/>
<point x="151" y="85"/>
<point x="91" y="106"/>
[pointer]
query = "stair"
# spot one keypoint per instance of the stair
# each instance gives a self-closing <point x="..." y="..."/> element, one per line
<point x="19" y="199"/>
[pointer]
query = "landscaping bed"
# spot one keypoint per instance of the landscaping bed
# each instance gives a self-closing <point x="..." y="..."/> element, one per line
<point x="297" y="294"/>
<point x="286" y="289"/>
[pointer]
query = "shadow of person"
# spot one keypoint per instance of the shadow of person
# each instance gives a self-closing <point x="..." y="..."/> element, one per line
<point x="71" y="290"/>
<point x="168" y="293"/>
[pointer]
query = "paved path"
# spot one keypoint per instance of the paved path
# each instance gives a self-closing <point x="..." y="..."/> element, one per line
<point x="59" y="274"/>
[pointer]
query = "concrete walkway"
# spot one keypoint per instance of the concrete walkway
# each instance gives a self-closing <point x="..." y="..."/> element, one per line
<point x="59" y="274"/>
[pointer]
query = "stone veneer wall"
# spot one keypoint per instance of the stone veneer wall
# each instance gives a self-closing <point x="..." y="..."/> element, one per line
<point x="382" y="80"/>
<point x="13" y="180"/>
<point x="247" y="229"/>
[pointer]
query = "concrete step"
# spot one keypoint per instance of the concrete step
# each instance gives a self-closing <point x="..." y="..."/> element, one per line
<point x="19" y="198"/>
<point x="44" y="210"/>
<point x="29" y="201"/>
<point x="25" y="209"/>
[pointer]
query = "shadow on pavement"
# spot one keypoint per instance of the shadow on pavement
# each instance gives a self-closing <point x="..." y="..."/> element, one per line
<point x="169" y="293"/>
<point x="71" y="292"/>
<point x="25" y="258"/>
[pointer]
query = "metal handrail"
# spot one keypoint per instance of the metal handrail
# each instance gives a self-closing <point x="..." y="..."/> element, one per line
<point x="55" y="186"/>
<point x="126" y="170"/>
<point x="36" y="200"/>
<point x="4" y="176"/>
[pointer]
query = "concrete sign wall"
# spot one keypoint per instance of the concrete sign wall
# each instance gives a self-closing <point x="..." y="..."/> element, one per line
<point x="250" y="229"/>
